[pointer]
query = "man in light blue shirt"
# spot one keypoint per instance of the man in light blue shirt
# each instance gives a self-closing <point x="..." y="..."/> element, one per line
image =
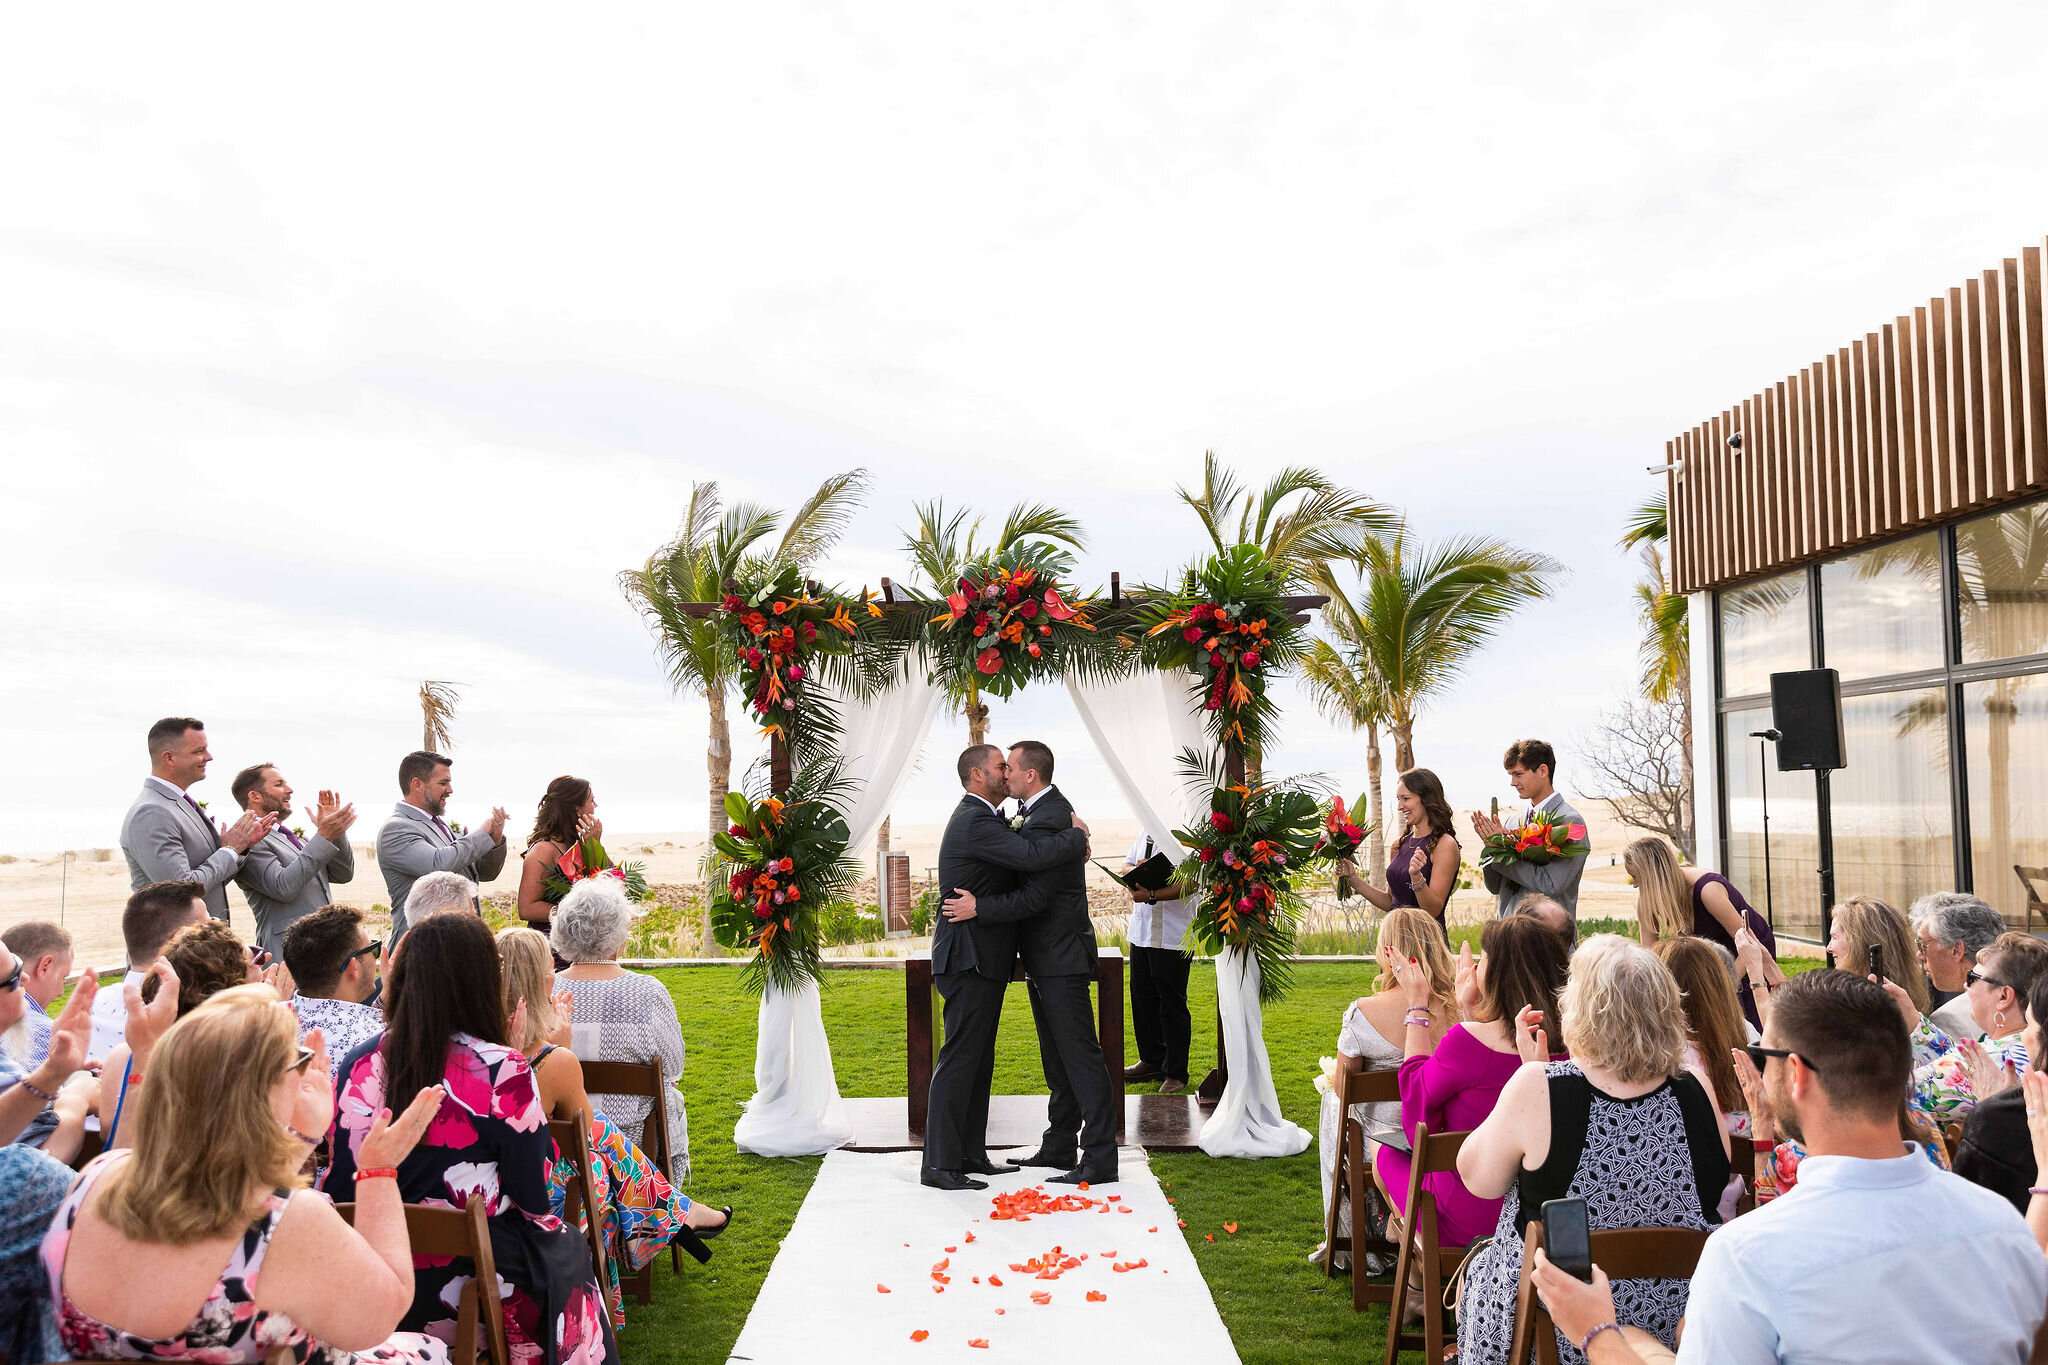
<point x="1876" y="1254"/>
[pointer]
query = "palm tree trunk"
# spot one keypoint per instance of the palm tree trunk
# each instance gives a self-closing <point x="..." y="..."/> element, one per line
<point x="1376" y="843"/>
<point x="882" y="836"/>
<point x="1404" y="746"/>
<point x="718" y="760"/>
<point x="977" y="717"/>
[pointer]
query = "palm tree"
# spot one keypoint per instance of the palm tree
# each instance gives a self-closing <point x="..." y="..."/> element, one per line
<point x="942" y="548"/>
<point x="1345" y="688"/>
<point x="437" y="709"/>
<point x="1329" y="522"/>
<point x="1666" y="648"/>
<point x="1423" y="610"/>
<point x="707" y="551"/>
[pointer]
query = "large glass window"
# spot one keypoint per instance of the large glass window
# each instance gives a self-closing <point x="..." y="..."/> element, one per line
<point x="1765" y="629"/>
<point x="2005" y="739"/>
<point x="1790" y="898"/>
<point x="2002" y="581"/>
<point x="1881" y="609"/>
<point x="1891" y="815"/>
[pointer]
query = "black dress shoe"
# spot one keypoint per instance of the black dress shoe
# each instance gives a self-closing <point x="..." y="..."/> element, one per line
<point x="1143" y="1071"/>
<point x="948" y="1180"/>
<point x="1085" y="1174"/>
<point x="1043" y="1157"/>
<point x="983" y="1166"/>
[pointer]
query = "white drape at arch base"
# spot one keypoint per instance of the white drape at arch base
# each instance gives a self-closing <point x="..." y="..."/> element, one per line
<point x="1247" y="1121"/>
<point x="796" y="1109"/>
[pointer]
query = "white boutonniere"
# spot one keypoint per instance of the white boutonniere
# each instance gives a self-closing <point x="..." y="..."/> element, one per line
<point x="1016" y="822"/>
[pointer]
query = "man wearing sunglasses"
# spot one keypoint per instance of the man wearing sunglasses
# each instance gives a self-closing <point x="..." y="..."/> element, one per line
<point x="336" y="966"/>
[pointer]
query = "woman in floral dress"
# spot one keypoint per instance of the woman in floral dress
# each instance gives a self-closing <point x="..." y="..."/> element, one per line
<point x="488" y="1140"/>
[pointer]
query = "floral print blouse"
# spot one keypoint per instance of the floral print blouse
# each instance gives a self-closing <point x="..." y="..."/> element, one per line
<point x="1941" y="1083"/>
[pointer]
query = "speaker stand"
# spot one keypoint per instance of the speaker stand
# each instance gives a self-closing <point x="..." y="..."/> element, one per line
<point x="1826" y="824"/>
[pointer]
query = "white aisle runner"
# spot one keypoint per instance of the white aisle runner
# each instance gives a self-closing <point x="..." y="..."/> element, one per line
<point x="868" y="1223"/>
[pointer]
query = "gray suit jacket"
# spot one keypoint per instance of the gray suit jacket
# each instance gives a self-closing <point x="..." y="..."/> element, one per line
<point x="166" y="840"/>
<point x="411" y="845"/>
<point x="284" y="884"/>
<point x="1559" y="880"/>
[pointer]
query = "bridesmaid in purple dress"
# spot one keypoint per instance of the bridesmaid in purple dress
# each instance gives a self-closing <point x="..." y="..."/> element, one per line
<point x="1673" y="900"/>
<point x="1424" y="869"/>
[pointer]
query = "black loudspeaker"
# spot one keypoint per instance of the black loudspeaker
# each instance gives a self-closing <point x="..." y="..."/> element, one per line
<point x="1806" y="709"/>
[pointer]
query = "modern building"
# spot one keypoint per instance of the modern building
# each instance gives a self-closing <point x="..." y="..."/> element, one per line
<point x="1884" y="513"/>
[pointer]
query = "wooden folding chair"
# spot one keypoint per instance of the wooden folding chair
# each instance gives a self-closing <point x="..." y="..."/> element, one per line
<point x="1624" y="1253"/>
<point x="466" y="1233"/>
<point x="581" y="1199"/>
<point x="639" y="1078"/>
<point x="1953" y="1136"/>
<point x="1422" y="1253"/>
<point x="1742" y="1161"/>
<point x="1352" y="1179"/>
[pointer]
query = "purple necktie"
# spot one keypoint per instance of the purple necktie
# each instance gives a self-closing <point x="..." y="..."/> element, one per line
<point x="291" y="835"/>
<point x="443" y="828"/>
<point x="210" y="831"/>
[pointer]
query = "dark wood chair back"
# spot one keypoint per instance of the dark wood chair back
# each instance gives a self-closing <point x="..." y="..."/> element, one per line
<point x="580" y="1204"/>
<point x="1742" y="1161"/>
<point x="1424" y="1259"/>
<point x="466" y="1233"/>
<point x="1624" y="1253"/>
<point x="639" y="1078"/>
<point x="1349" y="1181"/>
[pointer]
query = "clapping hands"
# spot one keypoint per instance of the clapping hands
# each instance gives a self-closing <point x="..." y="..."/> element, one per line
<point x="1988" y="1075"/>
<point x="565" y="1010"/>
<point x="1467" y="990"/>
<point x="389" y="1142"/>
<point x="244" y="834"/>
<point x="313" y="1106"/>
<point x="331" y="819"/>
<point x="1530" y="1039"/>
<point x="495" y="826"/>
<point x="1763" y="1121"/>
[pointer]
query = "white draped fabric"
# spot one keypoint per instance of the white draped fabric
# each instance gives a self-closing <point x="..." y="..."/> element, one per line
<point x="1247" y="1121"/>
<point x="1140" y="725"/>
<point x="796" y="1109"/>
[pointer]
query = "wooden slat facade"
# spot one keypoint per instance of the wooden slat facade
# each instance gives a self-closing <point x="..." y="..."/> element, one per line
<point x="1939" y="413"/>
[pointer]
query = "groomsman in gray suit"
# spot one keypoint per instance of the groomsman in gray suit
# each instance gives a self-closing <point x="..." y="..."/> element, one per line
<point x="167" y="837"/>
<point x="288" y="875"/>
<point x="1532" y="765"/>
<point x="416" y="841"/>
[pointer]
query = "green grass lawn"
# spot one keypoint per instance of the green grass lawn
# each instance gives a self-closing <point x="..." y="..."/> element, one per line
<point x="1278" y="1307"/>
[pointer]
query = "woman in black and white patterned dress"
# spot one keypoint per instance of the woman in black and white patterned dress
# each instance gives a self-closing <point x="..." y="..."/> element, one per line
<point x="1624" y="1125"/>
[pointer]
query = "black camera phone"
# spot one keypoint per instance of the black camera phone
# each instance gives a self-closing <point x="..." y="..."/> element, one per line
<point x="1877" y="962"/>
<point x="1566" y="1240"/>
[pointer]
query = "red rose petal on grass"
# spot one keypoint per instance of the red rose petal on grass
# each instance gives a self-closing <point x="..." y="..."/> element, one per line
<point x="1180" y="1222"/>
<point x="1126" y="1208"/>
<point x="951" y="1250"/>
<point x="1041" y="1296"/>
<point x="1230" y="1227"/>
<point x="919" y="1335"/>
<point x="1114" y="1198"/>
<point x="1097" y="1296"/>
<point x="970" y="1236"/>
<point x="977" y="1279"/>
<point x="940" y="1289"/>
<point x="996" y="1280"/>
<point x="978" y="1343"/>
<point x="943" y="1264"/>
<point x="883" y="1289"/>
<point x="1151" y="1229"/>
<point x="1109" y="1255"/>
<point x="1209" y="1237"/>
<point x="1001" y="1311"/>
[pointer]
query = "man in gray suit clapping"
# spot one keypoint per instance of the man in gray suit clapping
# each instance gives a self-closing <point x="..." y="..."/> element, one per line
<point x="167" y="837"/>
<point x="416" y="841"/>
<point x="288" y="874"/>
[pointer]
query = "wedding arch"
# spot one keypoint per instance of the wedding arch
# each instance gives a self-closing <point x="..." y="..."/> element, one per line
<point x="1168" y="679"/>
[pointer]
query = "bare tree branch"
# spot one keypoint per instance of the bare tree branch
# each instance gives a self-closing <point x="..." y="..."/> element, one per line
<point x="1636" y="761"/>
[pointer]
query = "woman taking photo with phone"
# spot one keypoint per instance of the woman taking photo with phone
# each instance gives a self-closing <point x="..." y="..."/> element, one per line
<point x="1423" y="871"/>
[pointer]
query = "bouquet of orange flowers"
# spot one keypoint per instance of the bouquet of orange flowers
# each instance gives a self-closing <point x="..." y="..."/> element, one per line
<point x="1342" y="838"/>
<point x="1542" y="840"/>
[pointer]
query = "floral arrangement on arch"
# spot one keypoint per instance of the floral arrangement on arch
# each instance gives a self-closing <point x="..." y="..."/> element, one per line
<point x="1240" y="874"/>
<point x="1229" y="625"/>
<point x="774" y="869"/>
<point x="586" y="860"/>
<point x="780" y="634"/>
<point x="1008" y="621"/>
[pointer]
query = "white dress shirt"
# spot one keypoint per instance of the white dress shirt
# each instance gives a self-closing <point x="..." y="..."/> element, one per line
<point x="1870" y="1260"/>
<point x="110" y="1016"/>
<point x="1156" y="924"/>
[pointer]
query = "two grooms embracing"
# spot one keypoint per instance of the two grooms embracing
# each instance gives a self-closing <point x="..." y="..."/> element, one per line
<point x="1014" y="883"/>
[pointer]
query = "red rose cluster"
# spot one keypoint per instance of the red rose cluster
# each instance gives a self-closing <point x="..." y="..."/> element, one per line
<point x="775" y="644"/>
<point x="1226" y="649"/>
<point x="769" y="886"/>
<point x="1011" y="612"/>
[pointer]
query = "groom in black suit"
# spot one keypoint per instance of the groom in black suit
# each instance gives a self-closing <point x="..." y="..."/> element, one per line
<point x="982" y="862"/>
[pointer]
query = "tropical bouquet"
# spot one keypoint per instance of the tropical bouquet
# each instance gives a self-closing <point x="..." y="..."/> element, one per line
<point x="1007" y="621"/>
<point x="1229" y="625"/>
<point x="1342" y="837"/>
<point x="778" y="630"/>
<point x="775" y="869"/>
<point x="586" y="860"/>
<point x="1543" y="840"/>
<point x="1240" y="871"/>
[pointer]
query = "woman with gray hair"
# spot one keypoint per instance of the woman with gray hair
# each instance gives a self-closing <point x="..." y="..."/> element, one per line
<point x="620" y="1016"/>
<point x="1625" y="1125"/>
<point x="1950" y="929"/>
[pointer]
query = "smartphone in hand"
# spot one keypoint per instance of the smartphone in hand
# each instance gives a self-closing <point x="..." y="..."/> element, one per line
<point x="1566" y="1240"/>
<point x="1877" y="962"/>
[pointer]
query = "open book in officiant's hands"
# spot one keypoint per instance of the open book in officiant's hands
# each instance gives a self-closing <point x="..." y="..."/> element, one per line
<point x="1151" y="875"/>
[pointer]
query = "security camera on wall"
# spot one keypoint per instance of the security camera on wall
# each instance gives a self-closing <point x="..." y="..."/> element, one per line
<point x="1735" y="442"/>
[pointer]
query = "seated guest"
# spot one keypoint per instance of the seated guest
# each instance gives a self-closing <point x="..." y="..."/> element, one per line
<point x="642" y="1213"/>
<point x="620" y="1016"/>
<point x="288" y="873"/>
<point x="489" y="1139"/>
<point x="155" y="1252"/>
<point x="1865" y="922"/>
<point x="44" y="951"/>
<point x="1928" y="1267"/>
<point x="1423" y="870"/>
<point x="1674" y="900"/>
<point x="149" y="919"/>
<point x="1550" y="914"/>
<point x="1997" y="1149"/>
<point x="1713" y="1021"/>
<point x="1367" y="1042"/>
<point x="208" y="958"/>
<point x="1453" y="1086"/>
<point x="1950" y="928"/>
<point x="32" y="1186"/>
<point x="566" y="817"/>
<point x="1950" y="1075"/>
<point x="1624" y="1125"/>
<point x="334" y="965"/>
<point x="439" y="893"/>
<point x="46" y="1105"/>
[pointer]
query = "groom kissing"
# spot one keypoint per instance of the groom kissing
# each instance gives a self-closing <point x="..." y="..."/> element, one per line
<point x="985" y="881"/>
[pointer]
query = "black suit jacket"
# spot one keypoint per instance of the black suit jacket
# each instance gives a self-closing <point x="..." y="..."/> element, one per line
<point x="981" y="853"/>
<point x="1060" y="939"/>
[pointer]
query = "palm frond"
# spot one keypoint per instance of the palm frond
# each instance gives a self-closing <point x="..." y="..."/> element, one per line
<point x="816" y="525"/>
<point x="438" y="699"/>
<point x="1038" y="522"/>
<point x="1647" y="524"/>
<point x="1217" y="498"/>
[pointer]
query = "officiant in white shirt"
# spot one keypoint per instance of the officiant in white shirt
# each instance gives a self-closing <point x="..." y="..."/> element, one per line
<point x="1159" y="979"/>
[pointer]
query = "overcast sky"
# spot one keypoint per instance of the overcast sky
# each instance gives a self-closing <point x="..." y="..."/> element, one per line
<point x="340" y="349"/>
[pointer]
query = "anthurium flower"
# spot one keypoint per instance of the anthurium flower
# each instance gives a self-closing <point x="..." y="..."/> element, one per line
<point x="989" y="661"/>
